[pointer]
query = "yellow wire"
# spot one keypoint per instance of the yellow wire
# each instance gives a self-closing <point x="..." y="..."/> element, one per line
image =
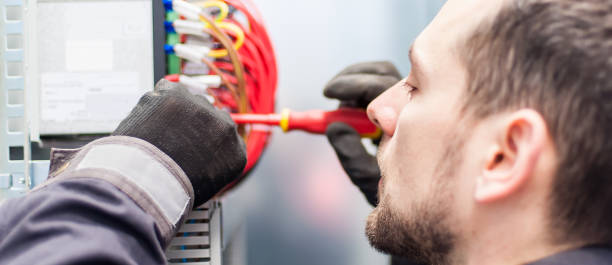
<point x="231" y="27"/>
<point x="243" y="104"/>
<point x="224" y="9"/>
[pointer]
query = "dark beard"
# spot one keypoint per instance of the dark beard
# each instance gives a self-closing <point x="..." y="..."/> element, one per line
<point x="425" y="236"/>
<point x="424" y="239"/>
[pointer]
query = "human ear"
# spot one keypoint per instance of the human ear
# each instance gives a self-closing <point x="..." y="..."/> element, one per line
<point x="513" y="159"/>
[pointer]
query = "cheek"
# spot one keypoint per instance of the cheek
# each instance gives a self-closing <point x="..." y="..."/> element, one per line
<point x="420" y="136"/>
<point x="416" y="149"/>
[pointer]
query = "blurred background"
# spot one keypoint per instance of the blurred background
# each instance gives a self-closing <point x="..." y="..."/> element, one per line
<point x="300" y="206"/>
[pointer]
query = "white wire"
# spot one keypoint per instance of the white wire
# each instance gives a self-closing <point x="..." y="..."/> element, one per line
<point x="187" y="10"/>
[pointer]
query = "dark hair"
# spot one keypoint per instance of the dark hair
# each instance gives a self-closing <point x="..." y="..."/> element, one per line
<point x="555" y="56"/>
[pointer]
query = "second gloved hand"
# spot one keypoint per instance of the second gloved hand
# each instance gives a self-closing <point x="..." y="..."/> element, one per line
<point x="201" y="139"/>
<point x="356" y="86"/>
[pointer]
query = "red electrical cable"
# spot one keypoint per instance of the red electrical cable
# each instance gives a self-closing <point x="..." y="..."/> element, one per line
<point x="258" y="59"/>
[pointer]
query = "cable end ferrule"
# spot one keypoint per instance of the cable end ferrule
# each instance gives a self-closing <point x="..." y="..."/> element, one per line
<point x="189" y="27"/>
<point x="169" y="49"/>
<point x="189" y="11"/>
<point x="172" y="77"/>
<point x="169" y="27"/>
<point x="191" y="53"/>
<point x="168" y="5"/>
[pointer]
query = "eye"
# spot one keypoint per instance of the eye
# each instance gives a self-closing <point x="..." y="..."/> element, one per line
<point x="409" y="87"/>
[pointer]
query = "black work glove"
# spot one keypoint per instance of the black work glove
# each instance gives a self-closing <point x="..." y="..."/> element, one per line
<point x="356" y="86"/>
<point x="201" y="139"/>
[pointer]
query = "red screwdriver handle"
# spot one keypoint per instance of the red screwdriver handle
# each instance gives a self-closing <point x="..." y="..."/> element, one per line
<point x="313" y="121"/>
<point x="316" y="121"/>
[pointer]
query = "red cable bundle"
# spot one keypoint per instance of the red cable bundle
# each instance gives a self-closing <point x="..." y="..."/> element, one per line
<point x="257" y="55"/>
<point x="250" y="72"/>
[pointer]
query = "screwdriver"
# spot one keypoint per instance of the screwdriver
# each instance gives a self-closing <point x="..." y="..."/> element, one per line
<point x="313" y="121"/>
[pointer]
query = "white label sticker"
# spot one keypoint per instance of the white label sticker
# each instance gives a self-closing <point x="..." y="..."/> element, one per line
<point x="89" y="55"/>
<point x="95" y="60"/>
<point x="91" y="97"/>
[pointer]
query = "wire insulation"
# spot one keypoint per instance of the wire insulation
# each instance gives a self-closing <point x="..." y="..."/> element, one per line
<point x="241" y="54"/>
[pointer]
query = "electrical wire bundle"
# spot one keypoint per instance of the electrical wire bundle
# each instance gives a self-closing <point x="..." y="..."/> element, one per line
<point x="221" y="49"/>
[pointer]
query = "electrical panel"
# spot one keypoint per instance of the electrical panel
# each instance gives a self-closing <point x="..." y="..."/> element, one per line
<point x="91" y="62"/>
<point x="71" y="70"/>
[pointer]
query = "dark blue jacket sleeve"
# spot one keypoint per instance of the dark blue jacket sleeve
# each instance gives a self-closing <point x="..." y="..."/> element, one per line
<point x="587" y="255"/>
<point x="78" y="221"/>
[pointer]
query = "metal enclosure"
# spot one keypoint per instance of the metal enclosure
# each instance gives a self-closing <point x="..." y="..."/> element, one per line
<point x="198" y="242"/>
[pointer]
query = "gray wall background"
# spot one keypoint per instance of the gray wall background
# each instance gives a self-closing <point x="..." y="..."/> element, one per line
<point x="298" y="205"/>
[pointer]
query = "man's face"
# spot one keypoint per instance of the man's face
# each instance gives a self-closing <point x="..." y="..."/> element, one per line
<point x="426" y="151"/>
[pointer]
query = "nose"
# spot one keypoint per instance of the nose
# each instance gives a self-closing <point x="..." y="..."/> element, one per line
<point x="385" y="109"/>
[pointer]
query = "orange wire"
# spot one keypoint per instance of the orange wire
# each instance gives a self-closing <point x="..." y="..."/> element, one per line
<point x="242" y="100"/>
<point x="224" y="80"/>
